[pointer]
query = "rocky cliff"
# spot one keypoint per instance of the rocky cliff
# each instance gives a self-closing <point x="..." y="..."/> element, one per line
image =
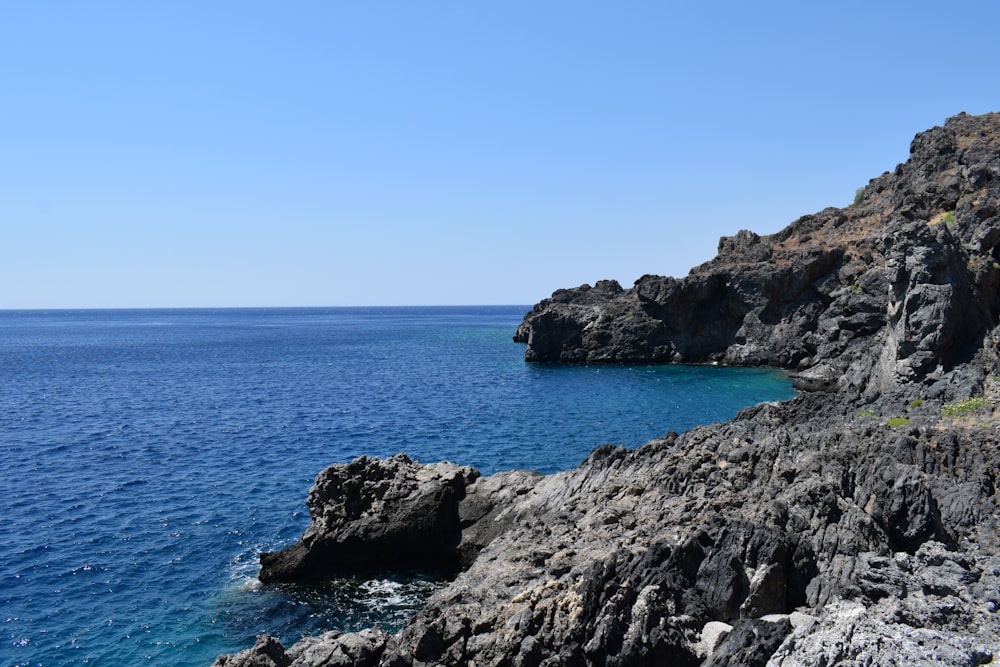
<point x="856" y="524"/>
<point x="911" y="269"/>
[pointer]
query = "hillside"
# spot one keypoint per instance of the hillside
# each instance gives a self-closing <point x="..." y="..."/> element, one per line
<point x="910" y="269"/>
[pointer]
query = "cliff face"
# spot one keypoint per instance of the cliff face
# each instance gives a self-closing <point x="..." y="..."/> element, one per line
<point x="912" y="269"/>
<point x="858" y="525"/>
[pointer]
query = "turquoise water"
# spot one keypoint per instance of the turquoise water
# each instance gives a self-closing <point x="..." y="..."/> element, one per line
<point x="149" y="456"/>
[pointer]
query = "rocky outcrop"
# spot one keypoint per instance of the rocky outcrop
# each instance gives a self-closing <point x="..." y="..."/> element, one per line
<point x="395" y="514"/>
<point x="858" y="525"/>
<point x="804" y="535"/>
<point x="934" y="607"/>
<point x="912" y="270"/>
<point x="376" y="514"/>
<point x="330" y="649"/>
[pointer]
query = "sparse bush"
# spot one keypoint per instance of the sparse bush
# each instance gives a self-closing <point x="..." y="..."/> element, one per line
<point x="916" y="403"/>
<point x="962" y="408"/>
<point x="898" y="421"/>
<point x="859" y="195"/>
<point x="867" y="413"/>
<point x="948" y="217"/>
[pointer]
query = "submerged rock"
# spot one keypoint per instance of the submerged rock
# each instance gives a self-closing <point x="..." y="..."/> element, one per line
<point x="857" y="525"/>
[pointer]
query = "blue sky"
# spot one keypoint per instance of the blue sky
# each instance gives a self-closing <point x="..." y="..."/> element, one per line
<point x="172" y="154"/>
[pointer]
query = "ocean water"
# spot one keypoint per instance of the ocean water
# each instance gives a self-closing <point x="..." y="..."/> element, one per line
<point x="149" y="456"/>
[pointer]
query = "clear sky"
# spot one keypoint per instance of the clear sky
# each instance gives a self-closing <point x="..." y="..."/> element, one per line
<point x="326" y="153"/>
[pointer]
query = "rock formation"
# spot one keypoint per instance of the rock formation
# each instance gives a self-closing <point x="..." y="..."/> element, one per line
<point x="395" y="514"/>
<point x="910" y="269"/>
<point x="856" y="524"/>
<point x="376" y="514"/>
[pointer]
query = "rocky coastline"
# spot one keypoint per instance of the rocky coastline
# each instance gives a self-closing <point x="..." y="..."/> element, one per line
<point x="856" y="524"/>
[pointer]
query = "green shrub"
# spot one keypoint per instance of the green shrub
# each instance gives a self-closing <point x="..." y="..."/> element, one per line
<point x="859" y="195"/>
<point x="897" y="421"/>
<point x="867" y="413"/>
<point x="962" y="408"/>
<point x="916" y="403"/>
<point x="948" y="217"/>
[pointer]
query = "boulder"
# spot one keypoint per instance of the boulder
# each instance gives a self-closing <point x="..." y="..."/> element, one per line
<point x="374" y="514"/>
<point x="396" y="514"/>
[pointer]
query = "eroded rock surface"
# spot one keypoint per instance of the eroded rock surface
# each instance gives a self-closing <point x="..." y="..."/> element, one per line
<point x="396" y="514"/>
<point x="376" y="514"/>
<point x="857" y="525"/>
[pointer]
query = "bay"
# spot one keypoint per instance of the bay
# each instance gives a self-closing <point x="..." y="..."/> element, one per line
<point x="150" y="455"/>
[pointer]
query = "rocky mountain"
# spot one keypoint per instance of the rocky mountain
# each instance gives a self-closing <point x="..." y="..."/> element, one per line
<point x="856" y="524"/>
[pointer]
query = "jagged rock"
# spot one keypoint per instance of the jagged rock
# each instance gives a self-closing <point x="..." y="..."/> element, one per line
<point x="396" y="514"/>
<point x="711" y="636"/>
<point x="750" y="643"/>
<point x="266" y="652"/>
<point x="912" y="271"/>
<point x="858" y="525"/>
<point x="488" y="509"/>
<point x="376" y="514"/>
<point x="821" y="377"/>
<point x="330" y="649"/>
<point x="933" y="608"/>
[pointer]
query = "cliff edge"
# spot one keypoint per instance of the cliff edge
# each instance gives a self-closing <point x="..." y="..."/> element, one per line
<point x="856" y="524"/>
<point x="910" y="270"/>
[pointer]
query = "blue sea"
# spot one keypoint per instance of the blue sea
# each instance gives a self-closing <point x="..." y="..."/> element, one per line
<point x="148" y="456"/>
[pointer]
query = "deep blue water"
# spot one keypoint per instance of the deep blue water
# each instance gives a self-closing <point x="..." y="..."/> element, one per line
<point x="147" y="457"/>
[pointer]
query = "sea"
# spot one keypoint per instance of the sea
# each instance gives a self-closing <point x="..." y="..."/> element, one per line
<point x="149" y="456"/>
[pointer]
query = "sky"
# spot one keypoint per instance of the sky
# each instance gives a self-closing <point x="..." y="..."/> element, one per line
<point x="325" y="153"/>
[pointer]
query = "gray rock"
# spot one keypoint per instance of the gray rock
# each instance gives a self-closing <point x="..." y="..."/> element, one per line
<point x="893" y="274"/>
<point x="397" y="514"/>
<point x="490" y="508"/>
<point x="266" y="652"/>
<point x="376" y="514"/>
<point x="750" y="643"/>
<point x="331" y="649"/>
<point x="711" y="636"/>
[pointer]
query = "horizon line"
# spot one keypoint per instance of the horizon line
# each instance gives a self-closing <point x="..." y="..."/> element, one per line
<point x="124" y="308"/>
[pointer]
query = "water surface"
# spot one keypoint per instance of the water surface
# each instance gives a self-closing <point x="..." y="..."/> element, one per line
<point x="149" y="456"/>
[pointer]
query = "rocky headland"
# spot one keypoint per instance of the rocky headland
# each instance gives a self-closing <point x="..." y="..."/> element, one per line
<point x="856" y="524"/>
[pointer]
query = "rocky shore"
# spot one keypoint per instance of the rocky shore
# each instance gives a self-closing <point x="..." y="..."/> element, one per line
<point x="856" y="524"/>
